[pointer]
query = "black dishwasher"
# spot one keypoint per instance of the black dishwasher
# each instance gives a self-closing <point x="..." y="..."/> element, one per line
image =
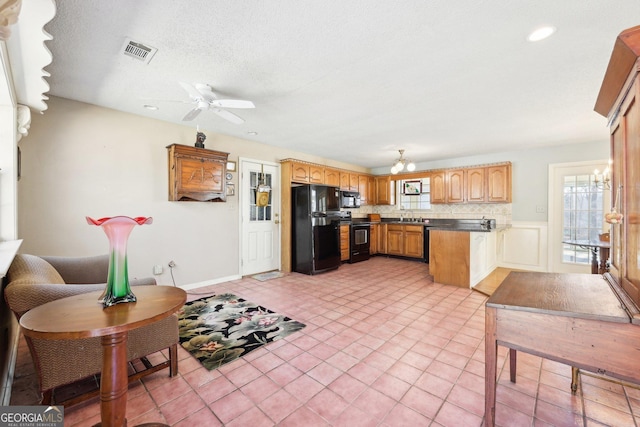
<point x="425" y="250"/>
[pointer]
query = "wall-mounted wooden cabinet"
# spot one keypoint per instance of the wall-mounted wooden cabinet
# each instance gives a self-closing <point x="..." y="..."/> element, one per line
<point x="371" y="190"/>
<point x="482" y="184"/>
<point x="307" y="173"/>
<point x="438" y="187"/>
<point x="332" y="177"/>
<point x="363" y="189"/>
<point x="476" y="185"/>
<point x="498" y="184"/>
<point x="196" y="174"/>
<point x="348" y="181"/>
<point x="456" y="186"/>
<point x="384" y="191"/>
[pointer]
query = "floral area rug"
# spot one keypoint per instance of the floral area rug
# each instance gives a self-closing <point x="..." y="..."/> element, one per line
<point x="221" y="328"/>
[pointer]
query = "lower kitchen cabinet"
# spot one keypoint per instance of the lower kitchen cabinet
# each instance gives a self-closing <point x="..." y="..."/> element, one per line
<point x="345" y="231"/>
<point x="373" y="239"/>
<point x="461" y="258"/>
<point x="414" y="241"/>
<point x="395" y="239"/>
<point x="405" y="240"/>
<point x="382" y="239"/>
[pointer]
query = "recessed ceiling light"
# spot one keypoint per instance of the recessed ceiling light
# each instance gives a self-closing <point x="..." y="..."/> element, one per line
<point x="150" y="107"/>
<point x="252" y="132"/>
<point x="541" y="34"/>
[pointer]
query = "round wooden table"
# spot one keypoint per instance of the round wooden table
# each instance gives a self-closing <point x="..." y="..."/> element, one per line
<point x="82" y="316"/>
<point x="599" y="253"/>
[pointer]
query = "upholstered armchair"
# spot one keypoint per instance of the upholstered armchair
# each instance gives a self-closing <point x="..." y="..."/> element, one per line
<point x="33" y="281"/>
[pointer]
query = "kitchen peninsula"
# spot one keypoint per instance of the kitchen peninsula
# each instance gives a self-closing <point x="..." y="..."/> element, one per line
<point x="464" y="253"/>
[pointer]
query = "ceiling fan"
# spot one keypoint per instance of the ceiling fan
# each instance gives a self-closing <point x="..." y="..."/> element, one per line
<point x="203" y="97"/>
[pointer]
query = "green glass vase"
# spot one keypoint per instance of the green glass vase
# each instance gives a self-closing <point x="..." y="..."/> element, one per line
<point x="118" y="229"/>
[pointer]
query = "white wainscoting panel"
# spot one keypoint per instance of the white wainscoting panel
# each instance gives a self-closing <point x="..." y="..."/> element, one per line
<point x="524" y="246"/>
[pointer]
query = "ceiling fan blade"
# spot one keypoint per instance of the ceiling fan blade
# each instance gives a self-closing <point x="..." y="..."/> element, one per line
<point x="232" y="103"/>
<point x="191" y="114"/>
<point x="228" y="115"/>
<point x="191" y="90"/>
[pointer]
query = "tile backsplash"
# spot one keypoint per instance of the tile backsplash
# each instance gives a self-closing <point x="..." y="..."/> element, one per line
<point x="501" y="212"/>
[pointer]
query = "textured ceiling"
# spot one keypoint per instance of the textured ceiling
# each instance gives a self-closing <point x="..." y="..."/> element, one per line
<point x="352" y="80"/>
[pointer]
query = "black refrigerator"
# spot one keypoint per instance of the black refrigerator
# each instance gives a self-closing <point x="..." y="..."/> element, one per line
<point x="316" y="228"/>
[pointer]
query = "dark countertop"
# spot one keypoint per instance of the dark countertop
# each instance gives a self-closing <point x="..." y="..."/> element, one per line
<point x="469" y="225"/>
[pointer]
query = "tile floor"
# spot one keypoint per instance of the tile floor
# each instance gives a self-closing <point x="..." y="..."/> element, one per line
<point x="383" y="346"/>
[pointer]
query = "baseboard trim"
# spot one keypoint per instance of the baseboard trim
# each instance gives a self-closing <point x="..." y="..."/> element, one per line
<point x="205" y="283"/>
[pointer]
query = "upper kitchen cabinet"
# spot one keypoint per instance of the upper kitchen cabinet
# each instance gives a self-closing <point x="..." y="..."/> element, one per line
<point x="371" y="190"/>
<point x="363" y="189"/>
<point x="498" y="180"/>
<point x="439" y="187"/>
<point x="456" y="186"/>
<point x="385" y="190"/>
<point x="348" y="181"/>
<point x="307" y="173"/>
<point x="196" y="174"/>
<point x="332" y="177"/>
<point x="478" y="184"/>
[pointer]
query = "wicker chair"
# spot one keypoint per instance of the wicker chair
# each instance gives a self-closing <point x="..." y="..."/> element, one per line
<point x="33" y="281"/>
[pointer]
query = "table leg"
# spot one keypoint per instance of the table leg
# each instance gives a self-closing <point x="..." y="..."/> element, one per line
<point x="512" y="364"/>
<point x="490" y="367"/>
<point x="604" y="258"/>
<point x="574" y="379"/>
<point x="114" y="380"/>
<point x="594" y="260"/>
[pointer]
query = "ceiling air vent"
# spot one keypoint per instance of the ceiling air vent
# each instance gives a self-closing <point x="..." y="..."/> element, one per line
<point x="138" y="50"/>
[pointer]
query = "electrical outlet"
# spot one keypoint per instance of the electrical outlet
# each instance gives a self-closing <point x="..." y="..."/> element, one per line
<point x="540" y="209"/>
<point x="171" y="264"/>
<point x="157" y="269"/>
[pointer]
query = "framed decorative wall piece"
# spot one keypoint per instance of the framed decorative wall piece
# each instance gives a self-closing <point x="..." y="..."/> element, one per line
<point x="231" y="166"/>
<point x="231" y="190"/>
<point x="412" y="187"/>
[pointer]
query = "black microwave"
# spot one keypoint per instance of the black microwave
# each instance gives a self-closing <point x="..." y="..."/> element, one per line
<point x="349" y="199"/>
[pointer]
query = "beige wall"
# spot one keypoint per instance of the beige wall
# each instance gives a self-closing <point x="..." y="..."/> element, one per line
<point x="81" y="160"/>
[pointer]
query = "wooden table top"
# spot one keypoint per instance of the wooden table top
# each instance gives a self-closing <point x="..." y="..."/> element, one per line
<point x="82" y="316"/>
<point x="588" y="243"/>
<point x="586" y="296"/>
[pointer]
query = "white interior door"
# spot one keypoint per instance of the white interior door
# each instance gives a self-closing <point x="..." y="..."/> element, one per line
<point x="568" y="219"/>
<point x="260" y="245"/>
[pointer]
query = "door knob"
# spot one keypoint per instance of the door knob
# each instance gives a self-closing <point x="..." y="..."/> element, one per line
<point x="276" y="221"/>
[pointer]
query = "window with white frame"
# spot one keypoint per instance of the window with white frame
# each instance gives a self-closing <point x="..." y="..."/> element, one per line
<point x="583" y="210"/>
<point x="415" y="194"/>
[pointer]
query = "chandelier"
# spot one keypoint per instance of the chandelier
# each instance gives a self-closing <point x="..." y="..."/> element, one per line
<point x="603" y="180"/>
<point x="399" y="164"/>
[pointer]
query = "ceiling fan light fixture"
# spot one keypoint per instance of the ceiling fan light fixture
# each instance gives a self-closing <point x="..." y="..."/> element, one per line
<point x="411" y="167"/>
